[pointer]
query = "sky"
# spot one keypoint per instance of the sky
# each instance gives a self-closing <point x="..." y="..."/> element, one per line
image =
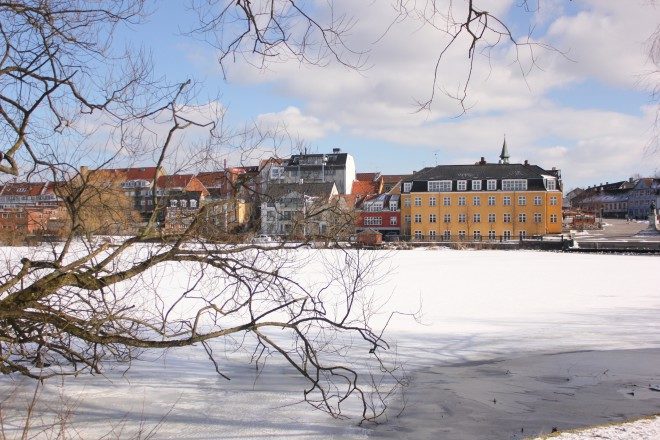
<point x="583" y="103"/>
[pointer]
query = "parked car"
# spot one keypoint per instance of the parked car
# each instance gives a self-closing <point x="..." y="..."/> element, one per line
<point x="261" y="239"/>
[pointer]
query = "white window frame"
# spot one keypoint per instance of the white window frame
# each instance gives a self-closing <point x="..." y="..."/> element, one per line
<point x="462" y="218"/>
<point x="461" y="185"/>
<point x="407" y="186"/>
<point x="418" y="201"/>
<point x="476" y="201"/>
<point x="491" y="201"/>
<point x="522" y="201"/>
<point x="491" y="185"/>
<point x="537" y="200"/>
<point x="506" y="218"/>
<point x="522" y="217"/>
<point x="514" y="184"/>
<point x="491" y="218"/>
<point x="506" y="201"/>
<point x="446" y="201"/>
<point x="433" y="218"/>
<point x="418" y="218"/>
<point x="538" y="218"/>
<point x="432" y="201"/>
<point x="476" y="218"/>
<point x="438" y="185"/>
<point x="462" y="201"/>
<point x="447" y="218"/>
<point x="476" y="185"/>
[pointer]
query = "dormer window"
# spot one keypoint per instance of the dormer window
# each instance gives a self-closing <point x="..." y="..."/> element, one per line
<point x="461" y="185"/>
<point x="407" y="186"/>
<point x="550" y="184"/>
<point x="476" y="185"/>
<point x="173" y="203"/>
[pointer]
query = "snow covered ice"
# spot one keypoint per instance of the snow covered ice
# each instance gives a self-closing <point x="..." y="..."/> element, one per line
<point x="477" y="307"/>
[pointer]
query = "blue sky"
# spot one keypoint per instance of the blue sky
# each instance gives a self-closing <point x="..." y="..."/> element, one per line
<point x="584" y="108"/>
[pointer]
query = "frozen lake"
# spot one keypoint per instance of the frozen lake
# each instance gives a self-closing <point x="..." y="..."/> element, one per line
<point x="488" y="311"/>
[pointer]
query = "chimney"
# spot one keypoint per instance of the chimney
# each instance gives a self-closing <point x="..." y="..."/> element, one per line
<point x="482" y="161"/>
<point x="336" y="150"/>
<point x="554" y="168"/>
<point x="630" y="180"/>
<point x="526" y="162"/>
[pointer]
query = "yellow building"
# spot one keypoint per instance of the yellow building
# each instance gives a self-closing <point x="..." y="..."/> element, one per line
<point x="484" y="201"/>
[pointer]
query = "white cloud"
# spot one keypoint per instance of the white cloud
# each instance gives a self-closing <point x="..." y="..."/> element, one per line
<point x="292" y="121"/>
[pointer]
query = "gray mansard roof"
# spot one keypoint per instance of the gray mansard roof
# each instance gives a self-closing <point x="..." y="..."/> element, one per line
<point x="333" y="160"/>
<point x="277" y="191"/>
<point x="532" y="173"/>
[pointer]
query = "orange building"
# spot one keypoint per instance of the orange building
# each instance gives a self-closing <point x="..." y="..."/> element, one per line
<point x="500" y="201"/>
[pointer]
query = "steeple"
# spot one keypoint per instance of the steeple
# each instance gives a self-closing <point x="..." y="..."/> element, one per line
<point x="504" y="156"/>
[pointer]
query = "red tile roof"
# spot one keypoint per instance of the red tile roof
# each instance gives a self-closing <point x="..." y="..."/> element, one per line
<point x="363" y="188"/>
<point x="174" y="181"/>
<point x="23" y="188"/>
<point x="138" y="173"/>
<point x="367" y="176"/>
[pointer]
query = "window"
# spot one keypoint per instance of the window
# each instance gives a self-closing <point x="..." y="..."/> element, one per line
<point x="476" y="201"/>
<point x="173" y="203"/>
<point x="522" y="234"/>
<point x="184" y="203"/>
<point x="406" y="218"/>
<point x="506" y="218"/>
<point x="394" y="205"/>
<point x="446" y="235"/>
<point x="476" y="185"/>
<point x="551" y="184"/>
<point x="433" y="218"/>
<point x="143" y="202"/>
<point x="461" y="235"/>
<point x="461" y="201"/>
<point x="439" y="185"/>
<point x="491" y="185"/>
<point x="522" y="200"/>
<point x="506" y="201"/>
<point x="447" y="218"/>
<point x="432" y="234"/>
<point x="537" y="217"/>
<point x="514" y="184"/>
<point x="476" y="218"/>
<point x="553" y="218"/>
<point x="462" y="218"/>
<point x="406" y="202"/>
<point x="407" y="186"/>
<point x="432" y="201"/>
<point x="393" y="221"/>
<point x="373" y="221"/>
<point x="507" y="235"/>
<point x="418" y="235"/>
<point x="418" y="218"/>
<point x="476" y="235"/>
<point x="522" y="217"/>
<point x="491" y="235"/>
<point x="461" y="185"/>
<point x="553" y="200"/>
<point x="537" y="200"/>
<point x="446" y="201"/>
<point x="491" y="200"/>
<point x="418" y="201"/>
<point x="491" y="218"/>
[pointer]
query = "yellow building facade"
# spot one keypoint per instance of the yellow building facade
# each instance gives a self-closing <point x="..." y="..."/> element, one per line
<point x="481" y="202"/>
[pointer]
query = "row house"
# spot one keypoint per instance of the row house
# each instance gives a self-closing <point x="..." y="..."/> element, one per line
<point x="380" y="213"/>
<point x="28" y="194"/>
<point x="336" y="167"/>
<point x="303" y="210"/>
<point x="483" y="201"/>
<point x="623" y="199"/>
<point x="179" y="197"/>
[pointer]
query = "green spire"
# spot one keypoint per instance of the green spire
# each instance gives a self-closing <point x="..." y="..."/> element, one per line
<point x="504" y="156"/>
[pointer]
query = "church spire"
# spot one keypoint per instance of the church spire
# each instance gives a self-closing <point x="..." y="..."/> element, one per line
<point x="504" y="156"/>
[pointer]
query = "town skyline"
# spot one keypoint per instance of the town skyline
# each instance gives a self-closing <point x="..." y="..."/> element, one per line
<point x="584" y="107"/>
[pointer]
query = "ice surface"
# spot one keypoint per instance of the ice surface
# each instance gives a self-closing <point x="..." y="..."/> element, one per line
<point x="475" y="306"/>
